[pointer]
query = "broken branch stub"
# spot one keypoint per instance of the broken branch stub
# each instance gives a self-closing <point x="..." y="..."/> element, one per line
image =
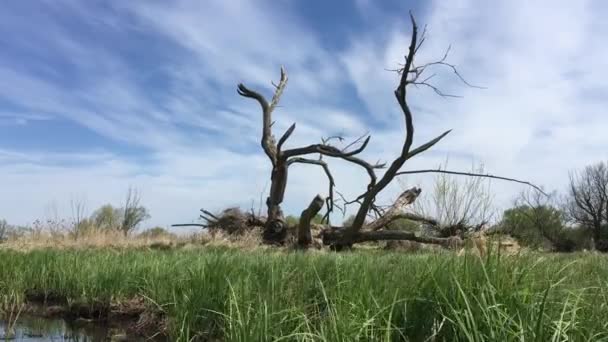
<point x="304" y="234"/>
<point x="406" y="198"/>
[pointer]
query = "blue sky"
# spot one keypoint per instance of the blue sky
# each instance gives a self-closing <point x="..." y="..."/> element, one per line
<point x="100" y="95"/>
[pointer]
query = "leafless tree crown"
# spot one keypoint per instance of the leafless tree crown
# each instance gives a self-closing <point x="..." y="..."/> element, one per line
<point x="587" y="203"/>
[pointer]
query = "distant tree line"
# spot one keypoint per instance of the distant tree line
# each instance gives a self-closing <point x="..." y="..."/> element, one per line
<point x="126" y="218"/>
<point x="575" y="220"/>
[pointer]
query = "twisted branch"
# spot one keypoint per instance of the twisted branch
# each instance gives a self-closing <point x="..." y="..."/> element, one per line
<point x="268" y="140"/>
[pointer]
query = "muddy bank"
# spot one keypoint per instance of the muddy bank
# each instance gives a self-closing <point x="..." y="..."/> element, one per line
<point x="133" y="318"/>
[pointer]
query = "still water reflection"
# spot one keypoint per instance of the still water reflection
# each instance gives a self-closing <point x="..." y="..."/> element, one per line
<point x="34" y="329"/>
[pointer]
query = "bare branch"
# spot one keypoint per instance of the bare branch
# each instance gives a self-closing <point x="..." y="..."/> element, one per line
<point x="373" y="208"/>
<point x="324" y="149"/>
<point x="358" y="150"/>
<point x="189" y="225"/>
<point x="442" y="62"/>
<point x="428" y="145"/>
<point x="208" y="213"/>
<point x="356" y="141"/>
<point x="422" y="38"/>
<point x="268" y="141"/>
<point x="435" y="89"/>
<point x="334" y="152"/>
<point x="286" y="136"/>
<point x="409" y="59"/>
<point x="471" y="175"/>
<point x="246" y="92"/>
<point x="326" y="141"/>
<point x="278" y="90"/>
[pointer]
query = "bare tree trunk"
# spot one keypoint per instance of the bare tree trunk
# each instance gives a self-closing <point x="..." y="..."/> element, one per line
<point x="304" y="235"/>
<point x="275" y="229"/>
<point x="597" y="236"/>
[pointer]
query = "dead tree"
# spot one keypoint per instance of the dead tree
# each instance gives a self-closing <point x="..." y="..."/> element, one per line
<point x="359" y="231"/>
<point x="281" y="159"/>
<point x="587" y="202"/>
<point x="275" y="229"/>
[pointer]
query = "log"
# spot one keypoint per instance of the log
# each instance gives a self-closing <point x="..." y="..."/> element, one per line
<point x="340" y="237"/>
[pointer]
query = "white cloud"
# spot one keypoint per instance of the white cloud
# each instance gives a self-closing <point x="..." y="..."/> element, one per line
<point x="173" y="192"/>
<point x="541" y="114"/>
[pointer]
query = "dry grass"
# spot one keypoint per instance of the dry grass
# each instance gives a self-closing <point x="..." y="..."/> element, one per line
<point x="115" y="239"/>
<point x="96" y="238"/>
<point x="480" y="244"/>
<point x="247" y="240"/>
<point x="59" y="236"/>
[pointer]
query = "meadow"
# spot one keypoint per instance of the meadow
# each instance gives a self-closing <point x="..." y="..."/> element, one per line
<point x="227" y="294"/>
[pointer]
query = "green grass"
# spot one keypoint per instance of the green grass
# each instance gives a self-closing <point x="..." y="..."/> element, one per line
<point x="359" y="296"/>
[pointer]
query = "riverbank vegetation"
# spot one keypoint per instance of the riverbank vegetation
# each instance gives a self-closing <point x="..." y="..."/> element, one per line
<point x="222" y="293"/>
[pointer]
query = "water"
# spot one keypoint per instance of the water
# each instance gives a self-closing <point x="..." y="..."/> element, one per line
<point x="34" y="329"/>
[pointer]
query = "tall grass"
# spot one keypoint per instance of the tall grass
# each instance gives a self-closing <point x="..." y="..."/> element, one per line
<point x="11" y="306"/>
<point x="363" y="296"/>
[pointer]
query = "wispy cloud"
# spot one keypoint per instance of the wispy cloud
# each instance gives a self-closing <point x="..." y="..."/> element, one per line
<point x="158" y="80"/>
<point x="8" y="118"/>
